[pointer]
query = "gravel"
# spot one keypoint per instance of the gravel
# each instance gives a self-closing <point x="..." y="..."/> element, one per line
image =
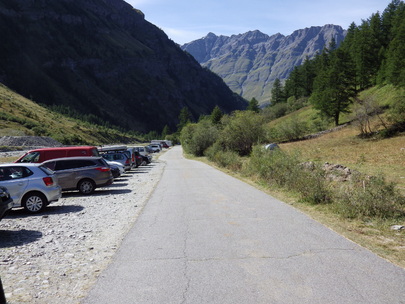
<point x="30" y="142"/>
<point x="57" y="255"/>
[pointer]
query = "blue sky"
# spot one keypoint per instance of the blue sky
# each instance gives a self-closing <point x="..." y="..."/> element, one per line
<point x="187" y="20"/>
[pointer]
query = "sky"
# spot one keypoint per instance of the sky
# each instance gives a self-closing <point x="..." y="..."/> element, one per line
<point x="187" y="20"/>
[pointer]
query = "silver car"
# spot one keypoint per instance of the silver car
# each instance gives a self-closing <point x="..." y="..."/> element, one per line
<point x="32" y="186"/>
<point x="118" y="157"/>
<point x="81" y="173"/>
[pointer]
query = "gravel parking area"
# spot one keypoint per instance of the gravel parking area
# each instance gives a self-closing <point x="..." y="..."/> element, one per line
<point x="56" y="256"/>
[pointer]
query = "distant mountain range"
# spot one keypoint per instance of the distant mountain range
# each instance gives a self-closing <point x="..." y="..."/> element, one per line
<point x="250" y="62"/>
<point x="103" y="60"/>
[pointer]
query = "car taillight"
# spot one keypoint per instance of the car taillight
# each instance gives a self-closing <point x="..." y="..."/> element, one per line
<point x="48" y="181"/>
<point x="103" y="169"/>
<point x="127" y="161"/>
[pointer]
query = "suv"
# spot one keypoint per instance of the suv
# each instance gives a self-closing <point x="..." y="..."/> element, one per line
<point x="32" y="186"/>
<point x="81" y="173"/>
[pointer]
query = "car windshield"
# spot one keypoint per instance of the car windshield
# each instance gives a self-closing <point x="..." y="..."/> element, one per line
<point x="31" y="157"/>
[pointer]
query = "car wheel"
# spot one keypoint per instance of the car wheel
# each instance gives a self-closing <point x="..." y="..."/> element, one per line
<point x="86" y="186"/>
<point x="34" y="202"/>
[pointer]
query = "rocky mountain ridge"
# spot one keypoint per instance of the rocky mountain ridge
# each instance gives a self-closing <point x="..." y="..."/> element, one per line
<point x="101" y="59"/>
<point x="250" y="62"/>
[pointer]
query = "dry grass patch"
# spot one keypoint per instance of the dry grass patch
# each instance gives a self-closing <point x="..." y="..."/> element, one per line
<point x="368" y="156"/>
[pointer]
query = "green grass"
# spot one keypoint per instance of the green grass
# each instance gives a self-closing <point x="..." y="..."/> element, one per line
<point x="20" y="116"/>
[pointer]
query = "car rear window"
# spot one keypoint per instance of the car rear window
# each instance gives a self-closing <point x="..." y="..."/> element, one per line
<point x="102" y="162"/>
<point x="47" y="170"/>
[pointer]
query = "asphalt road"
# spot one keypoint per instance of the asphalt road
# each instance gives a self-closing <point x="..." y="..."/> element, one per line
<point x="205" y="237"/>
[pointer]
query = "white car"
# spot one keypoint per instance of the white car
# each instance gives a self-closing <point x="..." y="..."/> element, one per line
<point x="32" y="186"/>
<point x="120" y="166"/>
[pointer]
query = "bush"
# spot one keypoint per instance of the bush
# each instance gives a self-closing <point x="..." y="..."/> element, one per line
<point x="226" y="159"/>
<point x="370" y="198"/>
<point x="291" y="129"/>
<point x="286" y="170"/>
<point x="294" y="104"/>
<point x="273" y="112"/>
<point x="196" y="138"/>
<point x="242" y="130"/>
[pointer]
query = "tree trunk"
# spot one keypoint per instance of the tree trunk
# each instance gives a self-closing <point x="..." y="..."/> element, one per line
<point x="336" y="118"/>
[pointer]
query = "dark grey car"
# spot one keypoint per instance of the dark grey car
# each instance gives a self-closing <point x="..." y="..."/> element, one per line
<point x="81" y="173"/>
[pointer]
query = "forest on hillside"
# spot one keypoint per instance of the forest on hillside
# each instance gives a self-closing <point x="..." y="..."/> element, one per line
<point x="373" y="53"/>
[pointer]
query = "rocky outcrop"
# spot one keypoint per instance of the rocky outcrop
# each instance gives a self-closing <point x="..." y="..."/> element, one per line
<point x="100" y="60"/>
<point x="250" y="62"/>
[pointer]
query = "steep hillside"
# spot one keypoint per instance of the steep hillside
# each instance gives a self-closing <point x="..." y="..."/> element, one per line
<point x="20" y="116"/>
<point x="103" y="59"/>
<point x="250" y="62"/>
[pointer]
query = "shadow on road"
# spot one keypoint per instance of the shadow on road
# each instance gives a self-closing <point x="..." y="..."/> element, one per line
<point x="19" y="237"/>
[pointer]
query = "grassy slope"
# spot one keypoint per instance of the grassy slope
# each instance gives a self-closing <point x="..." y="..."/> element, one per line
<point x="21" y="116"/>
<point x="370" y="156"/>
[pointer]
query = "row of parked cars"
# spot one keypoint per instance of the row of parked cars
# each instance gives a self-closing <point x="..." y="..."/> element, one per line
<point x="39" y="176"/>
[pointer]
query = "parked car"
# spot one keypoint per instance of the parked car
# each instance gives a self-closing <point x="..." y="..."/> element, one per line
<point x="118" y="157"/>
<point x="114" y="171"/>
<point x="144" y="153"/>
<point x="31" y="186"/>
<point x="155" y="148"/>
<point x="6" y="202"/>
<point x="144" y="160"/>
<point x="81" y="173"/>
<point x="130" y="152"/>
<point x="117" y="169"/>
<point x="41" y="155"/>
<point x="164" y="142"/>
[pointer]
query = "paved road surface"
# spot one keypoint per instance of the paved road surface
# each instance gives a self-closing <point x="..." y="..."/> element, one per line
<point x="205" y="237"/>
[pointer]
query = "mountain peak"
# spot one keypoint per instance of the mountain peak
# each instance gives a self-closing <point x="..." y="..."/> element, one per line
<point x="250" y="62"/>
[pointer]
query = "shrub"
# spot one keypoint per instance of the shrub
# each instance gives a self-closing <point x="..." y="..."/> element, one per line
<point x="294" y="104"/>
<point x="196" y="138"/>
<point x="242" y="130"/>
<point x="286" y="170"/>
<point x="291" y="129"/>
<point x="226" y="159"/>
<point x="370" y="198"/>
<point x="186" y="137"/>
<point x="275" y="111"/>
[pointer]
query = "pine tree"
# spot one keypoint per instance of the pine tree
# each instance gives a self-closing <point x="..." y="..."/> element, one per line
<point x="277" y="94"/>
<point x="185" y="118"/>
<point x="334" y="86"/>
<point x="253" y="105"/>
<point x="216" y="115"/>
<point x="395" y="62"/>
<point x="165" y="131"/>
